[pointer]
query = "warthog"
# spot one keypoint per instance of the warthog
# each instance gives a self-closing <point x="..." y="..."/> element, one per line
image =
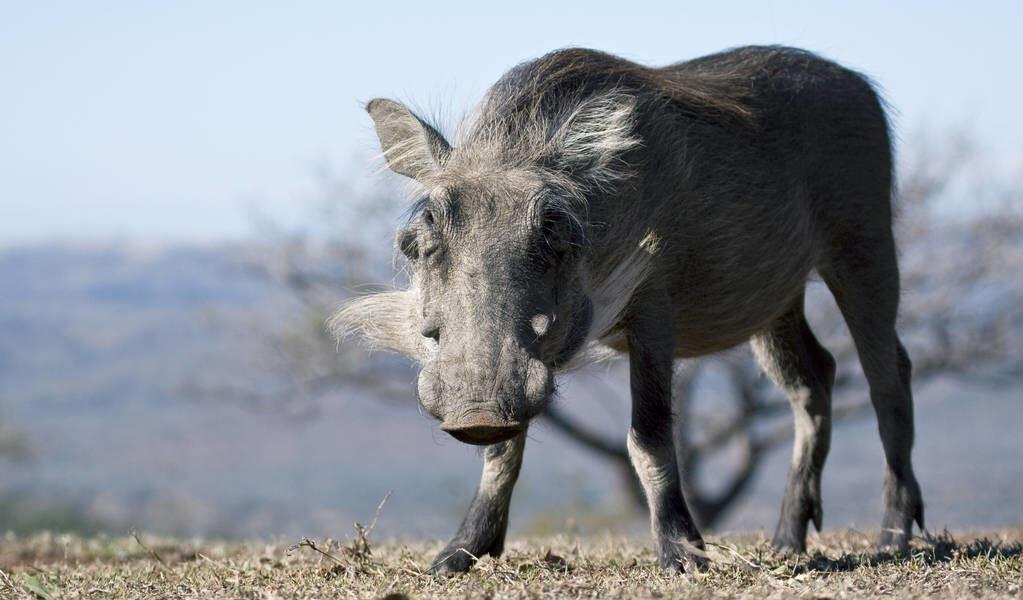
<point x="592" y="206"/>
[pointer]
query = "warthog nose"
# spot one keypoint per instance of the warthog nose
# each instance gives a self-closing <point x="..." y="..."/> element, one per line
<point x="481" y="429"/>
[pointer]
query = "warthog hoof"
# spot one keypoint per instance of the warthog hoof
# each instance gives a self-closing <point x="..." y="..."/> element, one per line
<point x="452" y="561"/>
<point x="679" y="556"/>
<point x="799" y="508"/>
<point x="903" y="506"/>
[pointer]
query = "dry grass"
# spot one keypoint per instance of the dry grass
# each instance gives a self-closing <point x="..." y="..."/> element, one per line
<point x="844" y="564"/>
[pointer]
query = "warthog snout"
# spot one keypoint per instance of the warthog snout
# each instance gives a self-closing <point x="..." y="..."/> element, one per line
<point x="482" y="428"/>
<point x="488" y="400"/>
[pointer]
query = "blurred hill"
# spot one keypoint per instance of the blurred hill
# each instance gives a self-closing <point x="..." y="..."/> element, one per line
<point x="107" y="356"/>
<point x="108" y="351"/>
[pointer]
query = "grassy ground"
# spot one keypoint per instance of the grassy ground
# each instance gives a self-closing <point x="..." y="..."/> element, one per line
<point x="844" y="564"/>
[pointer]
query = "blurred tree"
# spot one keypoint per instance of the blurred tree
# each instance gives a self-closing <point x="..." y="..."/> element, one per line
<point x="12" y="444"/>
<point x="961" y="315"/>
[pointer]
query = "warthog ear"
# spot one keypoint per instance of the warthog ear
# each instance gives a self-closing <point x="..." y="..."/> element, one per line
<point x="411" y="146"/>
<point x="591" y="141"/>
<point x="385" y="321"/>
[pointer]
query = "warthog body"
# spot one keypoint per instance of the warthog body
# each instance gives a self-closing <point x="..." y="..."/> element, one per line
<point x="592" y="205"/>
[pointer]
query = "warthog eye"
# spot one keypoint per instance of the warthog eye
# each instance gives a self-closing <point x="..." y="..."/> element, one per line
<point x="408" y="244"/>
<point x="561" y="231"/>
<point x="431" y="330"/>
<point x="420" y="238"/>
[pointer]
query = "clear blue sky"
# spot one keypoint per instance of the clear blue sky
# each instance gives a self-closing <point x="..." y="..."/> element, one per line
<point x="165" y="120"/>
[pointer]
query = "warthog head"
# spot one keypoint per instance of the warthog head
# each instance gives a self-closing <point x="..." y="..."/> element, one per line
<point x="496" y="243"/>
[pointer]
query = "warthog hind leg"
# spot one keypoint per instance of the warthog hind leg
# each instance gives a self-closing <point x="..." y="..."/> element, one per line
<point x="865" y="283"/>
<point x="792" y="357"/>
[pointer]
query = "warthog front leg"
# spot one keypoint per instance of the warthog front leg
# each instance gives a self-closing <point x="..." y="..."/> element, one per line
<point x="483" y="528"/>
<point x="651" y="441"/>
